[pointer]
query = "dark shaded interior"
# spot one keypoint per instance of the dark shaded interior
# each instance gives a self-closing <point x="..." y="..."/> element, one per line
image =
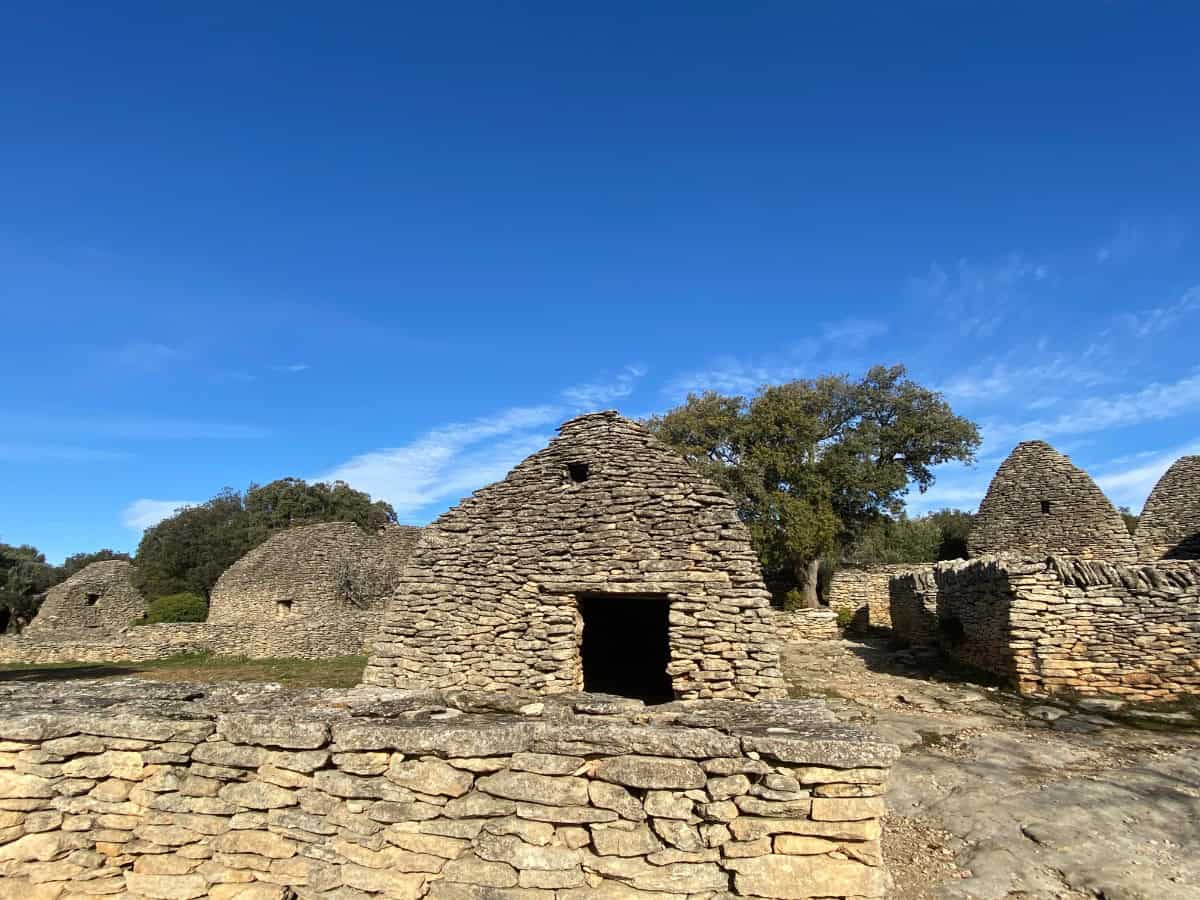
<point x="91" y="599"/>
<point x="626" y="646"/>
<point x="5" y="618"/>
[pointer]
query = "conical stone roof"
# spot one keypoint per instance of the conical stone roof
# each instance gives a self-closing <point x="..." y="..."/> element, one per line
<point x="1040" y="504"/>
<point x="490" y="598"/>
<point x="314" y="572"/>
<point x="100" y="595"/>
<point x="1169" y="527"/>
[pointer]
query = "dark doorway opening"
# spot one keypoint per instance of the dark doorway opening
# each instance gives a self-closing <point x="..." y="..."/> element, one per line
<point x="626" y="647"/>
<point x="5" y="618"/>
<point x="91" y="599"/>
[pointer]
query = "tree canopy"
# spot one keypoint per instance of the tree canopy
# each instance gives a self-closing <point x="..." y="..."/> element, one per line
<point x="187" y="552"/>
<point x="814" y="463"/>
<point x="24" y="576"/>
<point x="930" y="538"/>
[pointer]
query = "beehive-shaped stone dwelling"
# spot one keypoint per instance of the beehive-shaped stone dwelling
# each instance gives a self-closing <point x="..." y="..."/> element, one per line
<point x="601" y="563"/>
<point x="100" y="595"/>
<point x="312" y="573"/>
<point x="1040" y="504"/>
<point x="1169" y="527"/>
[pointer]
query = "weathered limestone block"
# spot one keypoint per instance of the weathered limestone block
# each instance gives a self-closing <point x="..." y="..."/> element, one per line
<point x="651" y="772"/>
<point x="807" y="876"/>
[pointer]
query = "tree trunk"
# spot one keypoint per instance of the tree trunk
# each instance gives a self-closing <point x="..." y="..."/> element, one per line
<point x="808" y="575"/>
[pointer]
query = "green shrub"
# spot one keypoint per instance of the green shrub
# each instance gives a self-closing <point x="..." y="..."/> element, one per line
<point x="844" y="618"/>
<point x="793" y="600"/>
<point x="175" y="608"/>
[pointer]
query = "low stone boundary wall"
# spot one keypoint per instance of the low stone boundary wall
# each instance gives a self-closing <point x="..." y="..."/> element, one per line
<point x="866" y="593"/>
<point x="1065" y="624"/>
<point x="349" y="636"/>
<point x="807" y="625"/>
<point x="149" y="790"/>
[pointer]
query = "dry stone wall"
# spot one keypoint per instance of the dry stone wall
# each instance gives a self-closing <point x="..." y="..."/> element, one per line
<point x="1169" y="527"/>
<point x="491" y="596"/>
<point x="100" y="595"/>
<point x="1067" y="624"/>
<point x="1039" y="504"/>
<point x="182" y="791"/>
<point x="866" y="593"/>
<point x="349" y="636"/>
<point x="807" y="625"/>
<point x="317" y="573"/>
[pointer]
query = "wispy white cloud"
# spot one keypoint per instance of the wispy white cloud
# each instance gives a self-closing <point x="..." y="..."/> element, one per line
<point x="142" y="357"/>
<point x="975" y="296"/>
<point x="853" y="333"/>
<point x="1002" y="378"/>
<point x="449" y="460"/>
<point x="1147" y="322"/>
<point x="731" y="375"/>
<point x="1128" y="481"/>
<point x="292" y="368"/>
<point x="601" y="395"/>
<point x="36" y="453"/>
<point x="142" y="513"/>
<point x="1154" y="402"/>
<point x="1132" y="239"/>
<point x="828" y="346"/>
<point x="956" y="487"/>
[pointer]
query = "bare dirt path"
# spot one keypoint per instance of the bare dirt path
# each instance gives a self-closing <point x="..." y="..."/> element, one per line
<point x="997" y="797"/>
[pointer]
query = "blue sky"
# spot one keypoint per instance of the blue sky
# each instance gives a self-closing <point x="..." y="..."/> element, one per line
<point x="246" y="241"/>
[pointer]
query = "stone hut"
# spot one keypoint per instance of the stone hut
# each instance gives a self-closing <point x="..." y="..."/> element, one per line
<point x="312" y="573"/>
<point x="1169" y="527"/>
<point x="100" y="595"/>
<point x="601" y="563"/>
<point x="1040" y="504"/>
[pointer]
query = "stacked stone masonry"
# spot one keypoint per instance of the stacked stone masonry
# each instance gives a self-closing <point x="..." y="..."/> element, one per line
<point x="314" y="592"/>
<point x="866" y="593"/>
<point x="807" y="625"/>
<point x="100" y="595"/>
<point x="317" y="573"/>
<point x="1064" y="624"/>
<point x="492" y="595"/>
<point x="1169" y="527"/>
<point x="185" y="791"/>
<point x="1039" y="504"/>
<point x="349" y="636"/>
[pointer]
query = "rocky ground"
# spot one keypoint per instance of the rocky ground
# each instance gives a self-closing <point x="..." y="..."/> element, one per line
<point x="999" y="797"/>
